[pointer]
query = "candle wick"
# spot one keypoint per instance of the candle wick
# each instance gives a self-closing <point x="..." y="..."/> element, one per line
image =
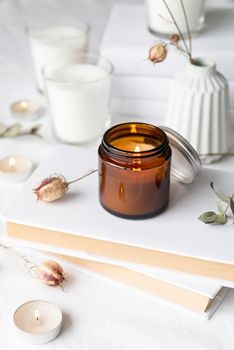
<point x="37" y="315"/>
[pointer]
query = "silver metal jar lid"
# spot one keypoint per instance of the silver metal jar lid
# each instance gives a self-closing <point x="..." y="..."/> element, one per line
<point x="186" y="163"/>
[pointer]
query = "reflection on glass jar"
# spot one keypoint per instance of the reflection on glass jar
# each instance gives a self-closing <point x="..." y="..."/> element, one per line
<point x="134" y="170"/>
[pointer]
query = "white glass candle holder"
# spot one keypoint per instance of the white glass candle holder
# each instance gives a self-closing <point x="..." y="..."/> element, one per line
<point x="53" y="39"/>
<point x="78" y="93"/>
<point x="161" y="23"/>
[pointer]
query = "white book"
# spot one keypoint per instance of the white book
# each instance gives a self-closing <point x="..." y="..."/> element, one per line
<point x="190" y="282"/>
<point x="126" y="42"/>
<point x="149" y="110"/>
<point x="215" y="295"/>
<point x="203" y="297"/>
<point x="196" y="283"/>
<point x="175" y="240"/>
<point x="149" y="88"/>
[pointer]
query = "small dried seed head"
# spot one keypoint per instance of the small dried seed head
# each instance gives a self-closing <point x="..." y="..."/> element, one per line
<point x="50" y="273"/>
<point x="51" y="189"/>
<point x="157" y="53"/>
<point x="175" y="38"/>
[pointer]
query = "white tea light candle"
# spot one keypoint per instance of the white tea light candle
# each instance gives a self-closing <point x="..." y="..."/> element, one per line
<point x="78" y="97"/>
<point x="24" y="110"/>
<point x="15" y="168"/>
<point x="38" y="321"/>
<point x="53" y="41"/>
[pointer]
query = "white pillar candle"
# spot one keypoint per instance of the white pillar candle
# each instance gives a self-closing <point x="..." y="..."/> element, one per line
<point x="78" y="96"/>
<point x="54" y="41"/>
<point x="160" y="21"/>
<point x="38" y="321"/>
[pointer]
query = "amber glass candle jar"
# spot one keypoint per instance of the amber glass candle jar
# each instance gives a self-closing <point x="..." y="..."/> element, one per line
<point x="134" y="170"/>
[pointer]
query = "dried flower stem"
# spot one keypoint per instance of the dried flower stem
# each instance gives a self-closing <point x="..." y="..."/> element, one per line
<point x="83" y="176"/>
<point x="179" y="48"/>
<point x="48" y="272"/>
<point x="55" y="187"/>
<point x="29" y="264"/>
<point x="178" y="28"/>
<point x="187" y="26"/>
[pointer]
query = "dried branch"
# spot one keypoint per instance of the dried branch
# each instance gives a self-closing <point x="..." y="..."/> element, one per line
<point x="178" y="28"/>
<point x="188" y="28"/>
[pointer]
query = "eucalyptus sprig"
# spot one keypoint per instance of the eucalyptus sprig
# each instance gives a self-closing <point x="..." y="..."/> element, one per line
<point x="16" y="130"/>
<point x="225" y="204"/>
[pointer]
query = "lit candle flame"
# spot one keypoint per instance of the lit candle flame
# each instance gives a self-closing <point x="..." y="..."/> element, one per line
<point x="137" y="149"/>
<point x="37" y="315"/>
<point x="12" y="162"/>
<point x="24" y="104"/>
<point x="24" y="107"/>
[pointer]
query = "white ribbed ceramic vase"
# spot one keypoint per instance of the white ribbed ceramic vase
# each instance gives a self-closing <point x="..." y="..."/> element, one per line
<point x="199" y="108"/>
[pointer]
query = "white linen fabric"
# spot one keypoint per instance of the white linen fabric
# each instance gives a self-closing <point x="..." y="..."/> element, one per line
<point x="97" y="313"/>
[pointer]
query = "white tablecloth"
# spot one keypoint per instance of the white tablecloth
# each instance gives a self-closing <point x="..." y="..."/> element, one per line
<point x="98" y="314"/>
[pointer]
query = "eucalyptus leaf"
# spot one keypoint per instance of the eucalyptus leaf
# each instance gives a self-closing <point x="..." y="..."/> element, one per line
<point x="220" y="205"/>
<point x="209" y="217"/>
<point x="35" y="128"/>
<point x="3" y="129"/>
<point x="13" y="131"/>
<point x="32" y="131"/>
<point x="221" y="196"/>
<point x="224" y="203"/>
<point x="232" y="205"/>
<point x="221" y="219"/>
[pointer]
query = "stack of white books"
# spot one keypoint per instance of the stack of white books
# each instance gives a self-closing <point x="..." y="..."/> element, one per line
<point x="141" y="88"/>
<point x="173" y="256"/>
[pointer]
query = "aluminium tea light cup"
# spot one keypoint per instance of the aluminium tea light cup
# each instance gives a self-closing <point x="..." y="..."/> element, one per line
<point x="38" y="321"/>
<point x="15" y="168"/>
<point x="25" y="110"/>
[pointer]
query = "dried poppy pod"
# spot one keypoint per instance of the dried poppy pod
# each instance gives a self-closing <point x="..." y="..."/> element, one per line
<point x="55" y="187"/>
<point x="157" y="53"/>
<point x="51" y="188"/>
<point x="175" y="38"/>
<point x="50" y="273"/>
